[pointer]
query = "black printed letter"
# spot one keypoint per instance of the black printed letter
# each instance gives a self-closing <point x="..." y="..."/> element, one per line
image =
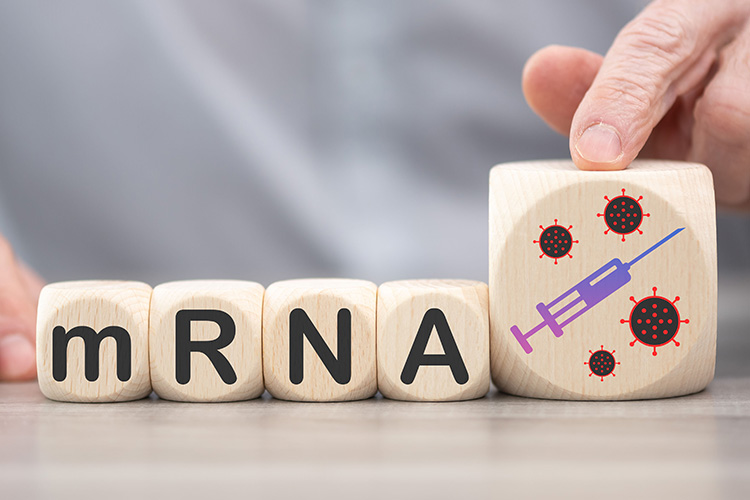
<point x="184" y="346"/>
<point x="434" y="318"/>
<point x="301" y="326"/>
<point x="92" y="342"/>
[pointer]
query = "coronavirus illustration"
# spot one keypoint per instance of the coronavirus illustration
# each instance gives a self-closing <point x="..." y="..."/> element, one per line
<point x="654" y="321"/>
<point x="623" y="214"/>
<point x="602" y="363"/>
<point x="555" y="241"/>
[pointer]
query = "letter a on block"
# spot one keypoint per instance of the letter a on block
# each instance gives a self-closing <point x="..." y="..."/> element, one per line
<point x="92" y="341"/>
<point x="433" y="340"/>
<point x="304" y="323"/>
<point x="451" y="357"/>
<point x="205" y="340"/>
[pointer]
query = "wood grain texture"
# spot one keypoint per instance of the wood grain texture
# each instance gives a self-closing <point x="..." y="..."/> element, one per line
<point x="402" y="306"/>
<point x="499" y="446"/>
<point x="526" y="197"/>
<point x="243" y="302"/>
<point x="321" y="299"/>
<point x="94" y="304"/>
<point x="693" y="447"/>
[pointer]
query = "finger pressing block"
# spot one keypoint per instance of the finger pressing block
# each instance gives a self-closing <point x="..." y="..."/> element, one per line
<point x="92" y="341"/>
<point x="433" y="340"/>
<point x="205" y="340"/>
<point x="319" y="340"/>
<point x="602" y="284"/>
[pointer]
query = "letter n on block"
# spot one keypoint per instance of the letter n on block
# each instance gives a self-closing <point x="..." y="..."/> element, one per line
<point x="92" y="341"/>
<point x="319" y="340"/>
<point x="433" y="340"/>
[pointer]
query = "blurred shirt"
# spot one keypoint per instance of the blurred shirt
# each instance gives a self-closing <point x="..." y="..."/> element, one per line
<point x="261" y="140"/>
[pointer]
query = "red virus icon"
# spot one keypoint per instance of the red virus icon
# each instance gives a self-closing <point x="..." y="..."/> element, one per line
<point x="602" y="363"/>
<point x="555" y="241"/>
<point x="623" y="214"/>
<point x="654" y="321"/>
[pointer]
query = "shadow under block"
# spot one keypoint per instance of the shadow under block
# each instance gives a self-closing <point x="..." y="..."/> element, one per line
<point x="433" y="340"/>
<point x="319" y="340"/>
<point x="579" y="307"/>
<point x="92" y="341"/>
<point x="214" y="329"/>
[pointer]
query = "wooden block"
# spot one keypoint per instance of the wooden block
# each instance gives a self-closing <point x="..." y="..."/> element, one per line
<point x="433" y="340"/>
<point x="205" y="340"/>
<point x="602" y="284"/>
<point x="92" y="341"/>
<point x="319" y="340"/>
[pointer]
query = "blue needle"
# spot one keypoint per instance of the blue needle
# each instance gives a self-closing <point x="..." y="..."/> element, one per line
<point x="655" y="246"/>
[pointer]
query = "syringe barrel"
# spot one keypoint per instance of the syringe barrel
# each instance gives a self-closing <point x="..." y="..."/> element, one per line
<point x="604" y="282"/>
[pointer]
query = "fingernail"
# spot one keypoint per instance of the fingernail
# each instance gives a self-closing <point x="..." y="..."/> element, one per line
<point x="17" y="358"/>
<point x="600" y="143"/>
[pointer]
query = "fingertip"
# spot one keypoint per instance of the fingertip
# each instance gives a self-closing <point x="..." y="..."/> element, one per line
<point x="555" y="79"/>
<point x="17" y="358"/>
<point x="599" y="147"/>
<point x="536" y="75"/>
<point x="538" y="58"/>
<point x="588" y="166"/>
<point x="33" y="282"/>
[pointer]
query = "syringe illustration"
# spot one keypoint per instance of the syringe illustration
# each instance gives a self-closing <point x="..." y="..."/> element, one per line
<point x="591" y="290"/>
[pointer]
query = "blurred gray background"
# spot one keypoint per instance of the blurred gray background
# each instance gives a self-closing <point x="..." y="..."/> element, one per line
<point x="161" y="140"/>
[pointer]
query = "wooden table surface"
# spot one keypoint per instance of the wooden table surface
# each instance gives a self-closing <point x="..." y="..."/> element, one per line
<point x="695" y="447"/>
<point x="499" y="446"/>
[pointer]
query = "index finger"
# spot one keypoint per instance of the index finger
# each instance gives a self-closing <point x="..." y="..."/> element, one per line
<point x="664" y="52"/>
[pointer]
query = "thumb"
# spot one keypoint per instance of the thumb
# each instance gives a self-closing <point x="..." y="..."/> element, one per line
<point x="661" y="54"/>
<point x="17" y="319"/>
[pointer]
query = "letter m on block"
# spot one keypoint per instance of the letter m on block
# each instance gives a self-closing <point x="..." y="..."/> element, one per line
<point x="92" y="342"/>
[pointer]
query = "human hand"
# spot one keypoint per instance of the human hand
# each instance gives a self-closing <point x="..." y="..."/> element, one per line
<point x="674" y="85"/>
<point x="19" y="294"/>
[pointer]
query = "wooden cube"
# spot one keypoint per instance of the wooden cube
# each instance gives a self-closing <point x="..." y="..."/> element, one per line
<point x="319" y="340"/>
<point x="602" y="284"/>
<point x="205" y="340"/>
<point x="433" y="340"/>
<point x="92" y="341"/>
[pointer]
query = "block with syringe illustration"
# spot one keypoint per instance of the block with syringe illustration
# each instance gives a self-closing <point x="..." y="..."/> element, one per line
<point x="602" y="284"/>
